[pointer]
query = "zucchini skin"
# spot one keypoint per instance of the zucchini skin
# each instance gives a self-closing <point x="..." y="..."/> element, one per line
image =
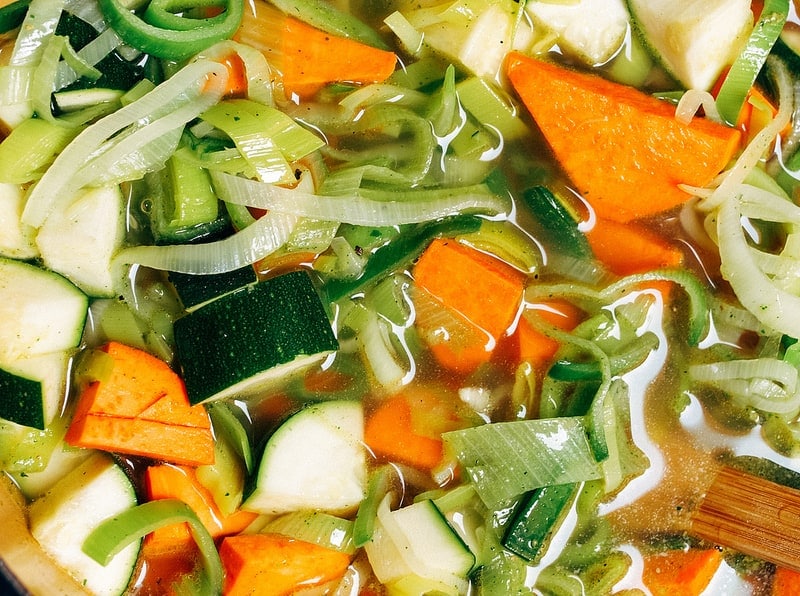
<point x="237" y="340"/>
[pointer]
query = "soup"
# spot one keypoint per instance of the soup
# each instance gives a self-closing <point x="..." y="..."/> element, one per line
<point x="394" y="297"/>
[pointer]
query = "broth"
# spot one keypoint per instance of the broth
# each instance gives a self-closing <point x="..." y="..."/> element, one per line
<point x="681" y="430"/>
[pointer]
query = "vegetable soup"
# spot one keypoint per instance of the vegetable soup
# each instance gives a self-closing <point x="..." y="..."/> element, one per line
<point x="388" y="297"/>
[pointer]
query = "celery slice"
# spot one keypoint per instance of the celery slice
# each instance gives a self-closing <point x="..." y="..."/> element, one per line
<point x="506" y="459"/>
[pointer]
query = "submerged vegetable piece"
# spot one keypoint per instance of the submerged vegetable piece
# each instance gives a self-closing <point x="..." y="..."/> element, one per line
<point x="536" y="347"/>
<point x="309" y="58"/>
<point x="277" y="564"/>
<point x="628" y="248"/>
<point x="141" y="408"/>
<point x="679" y="572"/>
<point x="482" y="289"/>
<point x="646" y="153"/>
<point x="785" y="582"/>
<point x="402" y="429"/>
<point x="165" y="481"/>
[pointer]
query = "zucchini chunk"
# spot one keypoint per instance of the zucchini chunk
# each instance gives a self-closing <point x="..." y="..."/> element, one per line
<point x="239" y="342"/>
<point x="66" y="514"/>
<point x="41" y="312"/>
<point x="315" y="460"/>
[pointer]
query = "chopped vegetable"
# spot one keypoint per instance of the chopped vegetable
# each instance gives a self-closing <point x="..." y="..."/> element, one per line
<point x="168" y="481"/>
<point x="647" y="152"/>
<point x="308" y="58"/>
<point x="643" y="250"/>
<point x="328" y="438"/>
<point x="694" y="42"/>
<point x="141" y="407"/>
<point x="79" y="503"/>
<point x="785" y="582"/>
<point x="283" y="316"/>
<point x="483" y="290"/>
<point x="277" y="564"/>
<point x="681" y="571"/>
<point x="534" y="346"/>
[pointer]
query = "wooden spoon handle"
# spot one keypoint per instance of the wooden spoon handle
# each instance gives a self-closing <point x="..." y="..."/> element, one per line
<point x="751" y="515"/>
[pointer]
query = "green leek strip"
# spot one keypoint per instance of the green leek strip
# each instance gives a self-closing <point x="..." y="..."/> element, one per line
<point x="268" y="138"/>
<point x="31" y="147"/>
<point x="380" y="482"/>
<point x="488" y="105"/>
<point x="316" y="527"/>
<point x="506" y="459"/>
<point x="698" y="300"/>
<point x="42" y="84"/>
<point x="323" y="15"/>
<point x="171" y="44"/>
<point x="227" y="424"/>
<point x="745" y="69"/>
<point x="402" y="249"/>
<point x="117" y="532"/>
<point x="369" y="208"/>
<point x="162" y="13"/>
<point x="635" y="354"/>
<point x="625" y="460"/>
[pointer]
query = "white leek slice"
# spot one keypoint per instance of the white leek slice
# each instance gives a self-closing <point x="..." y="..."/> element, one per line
<point x="506" y="459"/>
<point x="762" y="295"/>
<point x="123" y="133"/>
<point x="245" y="247"/>
<point x="357" y="210"/>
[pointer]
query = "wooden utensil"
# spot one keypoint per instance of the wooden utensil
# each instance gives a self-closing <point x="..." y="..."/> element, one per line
<point x="751" y="515"/>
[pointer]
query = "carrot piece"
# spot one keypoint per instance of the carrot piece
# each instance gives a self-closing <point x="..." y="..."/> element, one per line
<point x="485" y="291"/>
<point x="785" y="582"/>
<point x="629" y="248"/>
<point x="166" y="481"/>
<point x="621" y="148"/>
<point x="389" y="434"/>
<point x="309" y="58"/>
<point x="141" y="409"/>
<point x="146" y="438"/>
<point x="407" y="427"/>
<point x="680" y="573"/>
<point x="275" y="565"/>
<point x="535" y="347"/>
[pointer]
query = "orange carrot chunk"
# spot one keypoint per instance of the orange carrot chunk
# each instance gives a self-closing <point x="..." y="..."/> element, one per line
<point x="483" y="290"/>
<point x="309" y="58"/>
<point x="785" y="582"/>
<point x="681" y="573"/>
<point x="275" y="565"/>
<point x="141" y="408"/>
<point x="389" y="433"/>
<point x="621" y="148"/>
<point x="628" y="248"/>
<point x="166" y="481"/>
<point x="533" y="345"/>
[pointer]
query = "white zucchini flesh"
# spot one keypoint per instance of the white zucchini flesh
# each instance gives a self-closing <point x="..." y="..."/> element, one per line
<point x="41" y="312"/>
<point x="694" y="40"/>
<point x="17" y="241"/>
<point x="415" y="545"/>
<point x="80" y="242"/>
<point x="65" y="515"/>
<point x="315" y="460"/>
<point x="592" y="30"/>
